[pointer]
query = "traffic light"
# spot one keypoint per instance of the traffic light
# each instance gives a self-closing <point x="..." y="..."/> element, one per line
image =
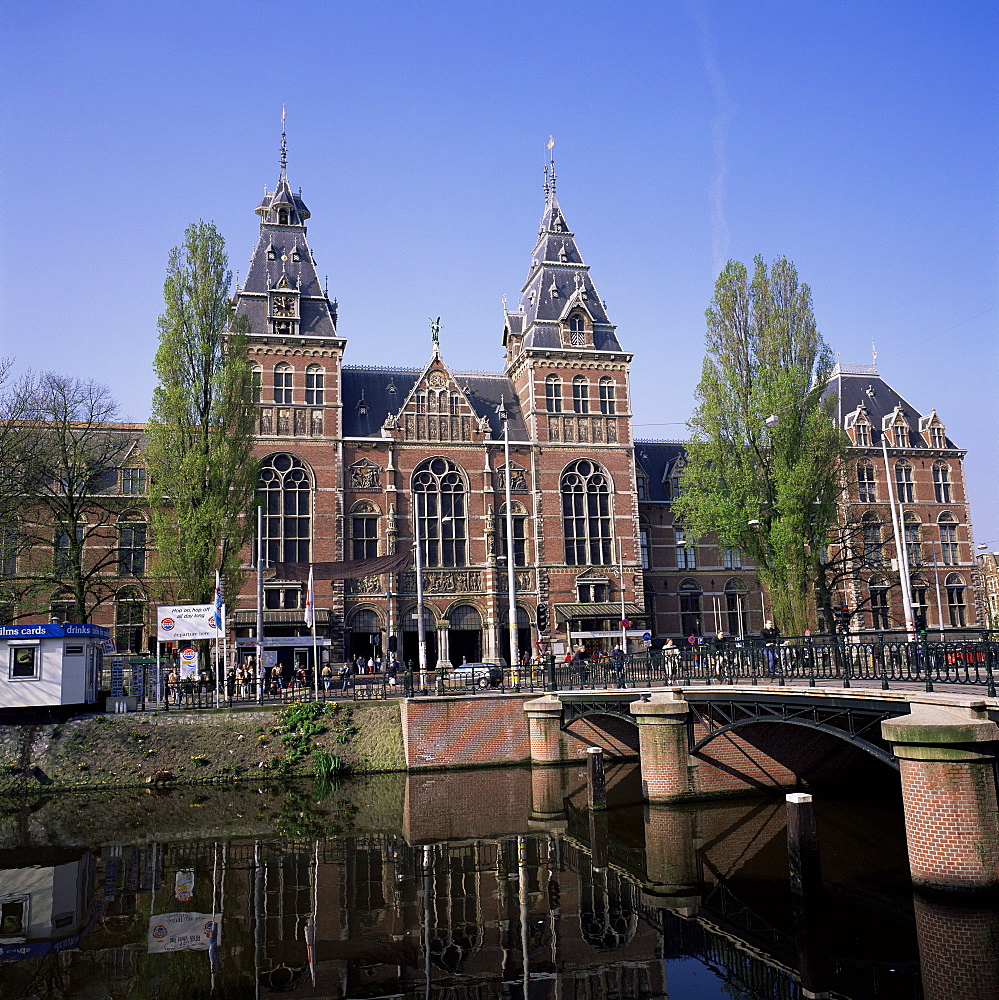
<point x="542" y="618"/>
<point x="376" y="639"/>
<point x="393" y="643"/>
<point x="842" y="614"/>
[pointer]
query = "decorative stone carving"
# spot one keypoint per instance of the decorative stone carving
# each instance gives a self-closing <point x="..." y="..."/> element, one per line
<point x="518" y="479"/>
<point x="366" y="585"/>
<point x="365" y="475"/>
<point x="453" y="581"/>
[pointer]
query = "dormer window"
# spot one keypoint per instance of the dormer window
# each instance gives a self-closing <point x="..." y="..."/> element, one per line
<point x="937" y="437"/>
<point x="863" y="435"/>
<point x="282" y="217"/>
<point x="272" y="252"/>
<point x="577" y="331"/>
<point x="901" y="436"/>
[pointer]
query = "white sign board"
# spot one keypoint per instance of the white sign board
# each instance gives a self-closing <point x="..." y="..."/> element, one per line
<point x="183" y="931"/>
<point x="186" y="621"/>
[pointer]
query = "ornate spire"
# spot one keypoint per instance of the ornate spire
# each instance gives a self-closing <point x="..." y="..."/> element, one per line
<point x="284" y="143"/>
<point x="283" y="206"/>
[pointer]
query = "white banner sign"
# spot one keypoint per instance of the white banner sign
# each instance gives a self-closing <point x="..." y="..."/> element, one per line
<point x="184" y="931"/>
<point x="186" y="621"/>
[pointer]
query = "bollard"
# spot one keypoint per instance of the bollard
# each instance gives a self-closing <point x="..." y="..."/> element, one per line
<point x="802" y="844"/>
<point x="596" y="787"/>
<point x="806" y="896"/>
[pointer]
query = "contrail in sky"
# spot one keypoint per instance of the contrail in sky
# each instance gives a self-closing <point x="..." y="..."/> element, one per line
<point x="725" y="109"/>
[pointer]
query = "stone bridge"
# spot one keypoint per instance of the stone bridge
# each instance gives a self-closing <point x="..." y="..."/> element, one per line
<point x="697" y="743"/>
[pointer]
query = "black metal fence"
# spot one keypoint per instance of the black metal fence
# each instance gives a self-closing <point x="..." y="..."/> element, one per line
<point x="883" y="661"/>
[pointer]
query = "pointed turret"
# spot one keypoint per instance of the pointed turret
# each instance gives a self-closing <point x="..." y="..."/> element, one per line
<point x="282" y="294"/>
<point x="559" y="306"/>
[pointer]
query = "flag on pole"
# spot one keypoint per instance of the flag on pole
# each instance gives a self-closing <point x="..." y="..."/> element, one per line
<point x="219" y="608"/>
<point x="310" y="601"/>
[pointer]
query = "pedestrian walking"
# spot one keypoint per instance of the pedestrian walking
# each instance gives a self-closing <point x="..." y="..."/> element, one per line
<point x="617" y="659"/>
<point x="327" y="675"/>
<point x="771" y="639"/>
<point x="345" y="674"/>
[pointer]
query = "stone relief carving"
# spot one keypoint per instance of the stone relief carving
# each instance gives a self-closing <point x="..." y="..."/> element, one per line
<point x="366" y="585"/>
<point x="518" y="479"/>
<point x="443" y="582"/>
<point x="365" y="475"/>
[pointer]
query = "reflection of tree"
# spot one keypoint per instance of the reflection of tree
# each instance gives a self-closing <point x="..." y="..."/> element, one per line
<point x="457" y="917"/>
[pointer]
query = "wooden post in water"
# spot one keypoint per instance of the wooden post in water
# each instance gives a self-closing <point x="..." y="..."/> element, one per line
<point x="802" y="844"/>
<point x="806" y="889"/>
<point x="596" y="786"/>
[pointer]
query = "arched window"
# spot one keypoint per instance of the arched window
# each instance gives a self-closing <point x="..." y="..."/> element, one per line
<point x="439" y="501"/>
<point x="455" y="404"/>
<point x="553" y="394"/>
<point x="131" y="545"/>
<point x="947" y="524"/>
<point x="878" y="589"/>
<point x="580" y="395"/>
<point x="586" y="519"/>
<point x="283" y="381"/>
<point x="364" y="530"/>
<point x="519" y="534"/>
<point x="577" y="330"/>
<point x="315" y="381"/>
<point x="643" y="542"/>
<point x="608" y="396"/>
<point x="913" y="551"/>
<point x="365" y="620"/>
<point x="865" y="483"/>
<point x="903" y="481"/>
<point x="129" y="618"/>
<point x="941" y="482"/>
<point x="689" y="594"/>
<point x="737" y="606"/>
<point x="871" y="527"/>
<point x="282" y="217"/>
<point x="732" y="557"/>
<point x="286" y="489"/>
<point x="955" y="599"/>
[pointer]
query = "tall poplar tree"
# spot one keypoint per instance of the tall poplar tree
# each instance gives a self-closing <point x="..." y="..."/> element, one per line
<point x="198" y="454"/>
<point x="765" y="454"/>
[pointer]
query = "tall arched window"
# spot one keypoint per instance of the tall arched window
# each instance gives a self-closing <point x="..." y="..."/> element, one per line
<point x="941" y="482"/>
<point x="553" y="394"/>
<point x="364" y="530"/>
<point x="286" y="488"/>
<point x="871" y="527"/>
<point x="519" y="534"/>
<point x="955" y="599"/>
<point x="948" y="539"/>
<point x="283" y="381"/>
<point x="608" y="396"/>
<point x="737" y="606"/>
<point x="439" y="501"/>
<point x="878" y="589"/>
<point x="586" y="521"/>
<point x="315" y="382"/>
<point x="913" y="551"/>
<point x="689" y="594"/>
<point x="129" y="618"/>
<point x="903" y="481"/>
<point x="580" y="395"/>
<point x="865" y="483"/>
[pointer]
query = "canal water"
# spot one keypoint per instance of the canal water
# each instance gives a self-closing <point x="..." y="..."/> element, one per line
<point x="467" y="886"/>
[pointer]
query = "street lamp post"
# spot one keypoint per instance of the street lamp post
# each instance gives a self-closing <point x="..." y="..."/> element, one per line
<point x="421" y="625"/>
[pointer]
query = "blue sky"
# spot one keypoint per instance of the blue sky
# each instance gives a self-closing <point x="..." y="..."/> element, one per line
<point x="859" y="139"/>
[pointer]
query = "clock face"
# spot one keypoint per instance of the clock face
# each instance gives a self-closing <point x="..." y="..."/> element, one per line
<point x="283" y="305"/>
<point x="437" y="380"/>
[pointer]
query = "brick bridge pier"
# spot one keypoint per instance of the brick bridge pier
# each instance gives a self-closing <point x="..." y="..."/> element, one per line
<point x="706" y="742"/>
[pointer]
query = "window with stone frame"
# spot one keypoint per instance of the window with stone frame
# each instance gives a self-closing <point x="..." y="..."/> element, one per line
<point x="941" y="482"/>
<point x="315" y="382"/>
<point x="871" y="530"/>
<point x="586" y="514"/>
<point x="256" y="382"/>
<point x="732" y="557"/>
<point x="580" y="395"/>
<point x="439" y="500"/>
<point x="903" y="482"/>
<point x="643" y="544"/>
<point x="900" y="434"/>
<point x="865" y="483"/>
<point x="863" y="432"/>
<point x="519" y="515"/>
<point x="592" y="591"/>
<point x="689" y="597"/>
<point x="133" y="481"/>
<point x="956" y="607"/>
<point x="608" y="396"/>
<point x="913" y="549"/>
<point x="283" y="383"/>
<point x="938" y="438"/>
<point x="947" y="524"/>
<point x="131" y="545"/>
<point x="577" y="330"/>
<point x="553" y="394"/>
<point x="286" y="493"/>
<point x="878" y="591"/>
<point x="364" y="531"/>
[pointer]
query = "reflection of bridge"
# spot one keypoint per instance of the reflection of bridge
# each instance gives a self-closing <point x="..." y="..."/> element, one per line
<point x="709" y="741"/>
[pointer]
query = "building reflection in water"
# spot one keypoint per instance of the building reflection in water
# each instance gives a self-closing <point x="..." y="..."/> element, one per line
<point x="577" y="906"/>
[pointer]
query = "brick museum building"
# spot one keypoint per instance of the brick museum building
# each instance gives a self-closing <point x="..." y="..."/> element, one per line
<point x="358" y="460"/>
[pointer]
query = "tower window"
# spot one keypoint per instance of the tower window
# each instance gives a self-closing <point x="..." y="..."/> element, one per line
<point x="553" y="394"/>
<point x="283" y="380"/>
<point x="941" y="482"/>
<point x="314" y="382"/>
<point x="580" y="395"/>
<point x="586" y="517"/>
<point x="286" y="492"/>
<point x="608" y="396"/>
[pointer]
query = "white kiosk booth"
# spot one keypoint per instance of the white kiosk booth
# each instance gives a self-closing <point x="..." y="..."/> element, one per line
<point x="43" y="666"/>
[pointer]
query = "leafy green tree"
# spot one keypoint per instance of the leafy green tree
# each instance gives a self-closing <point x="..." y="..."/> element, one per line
<point x="765" y="456"/>
<point x="200" y="435"/>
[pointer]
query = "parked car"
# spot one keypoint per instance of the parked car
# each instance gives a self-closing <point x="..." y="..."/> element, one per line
<point x="483" y="675"/>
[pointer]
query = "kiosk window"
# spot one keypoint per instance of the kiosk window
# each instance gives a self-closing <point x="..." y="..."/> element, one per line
<point x="74" y="651"/>
<point x="24" y="661"/>
<point x="12" y="917"/>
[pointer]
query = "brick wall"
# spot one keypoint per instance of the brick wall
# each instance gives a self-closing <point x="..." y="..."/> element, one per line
<point x="463" y="732"/>
<point x="957" y="950"/>
<point x="731" y="763"/>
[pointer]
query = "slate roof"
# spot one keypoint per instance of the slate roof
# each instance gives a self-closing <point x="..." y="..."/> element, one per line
<point x="658" y="459"/>
<point x="858" y="385"/>
<point x="484" y="392"/>
<point x="557" y="277"/>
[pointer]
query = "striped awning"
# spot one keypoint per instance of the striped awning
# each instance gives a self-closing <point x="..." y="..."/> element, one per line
<point x="609" y="609"/>
<point x="244" y="618"/>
